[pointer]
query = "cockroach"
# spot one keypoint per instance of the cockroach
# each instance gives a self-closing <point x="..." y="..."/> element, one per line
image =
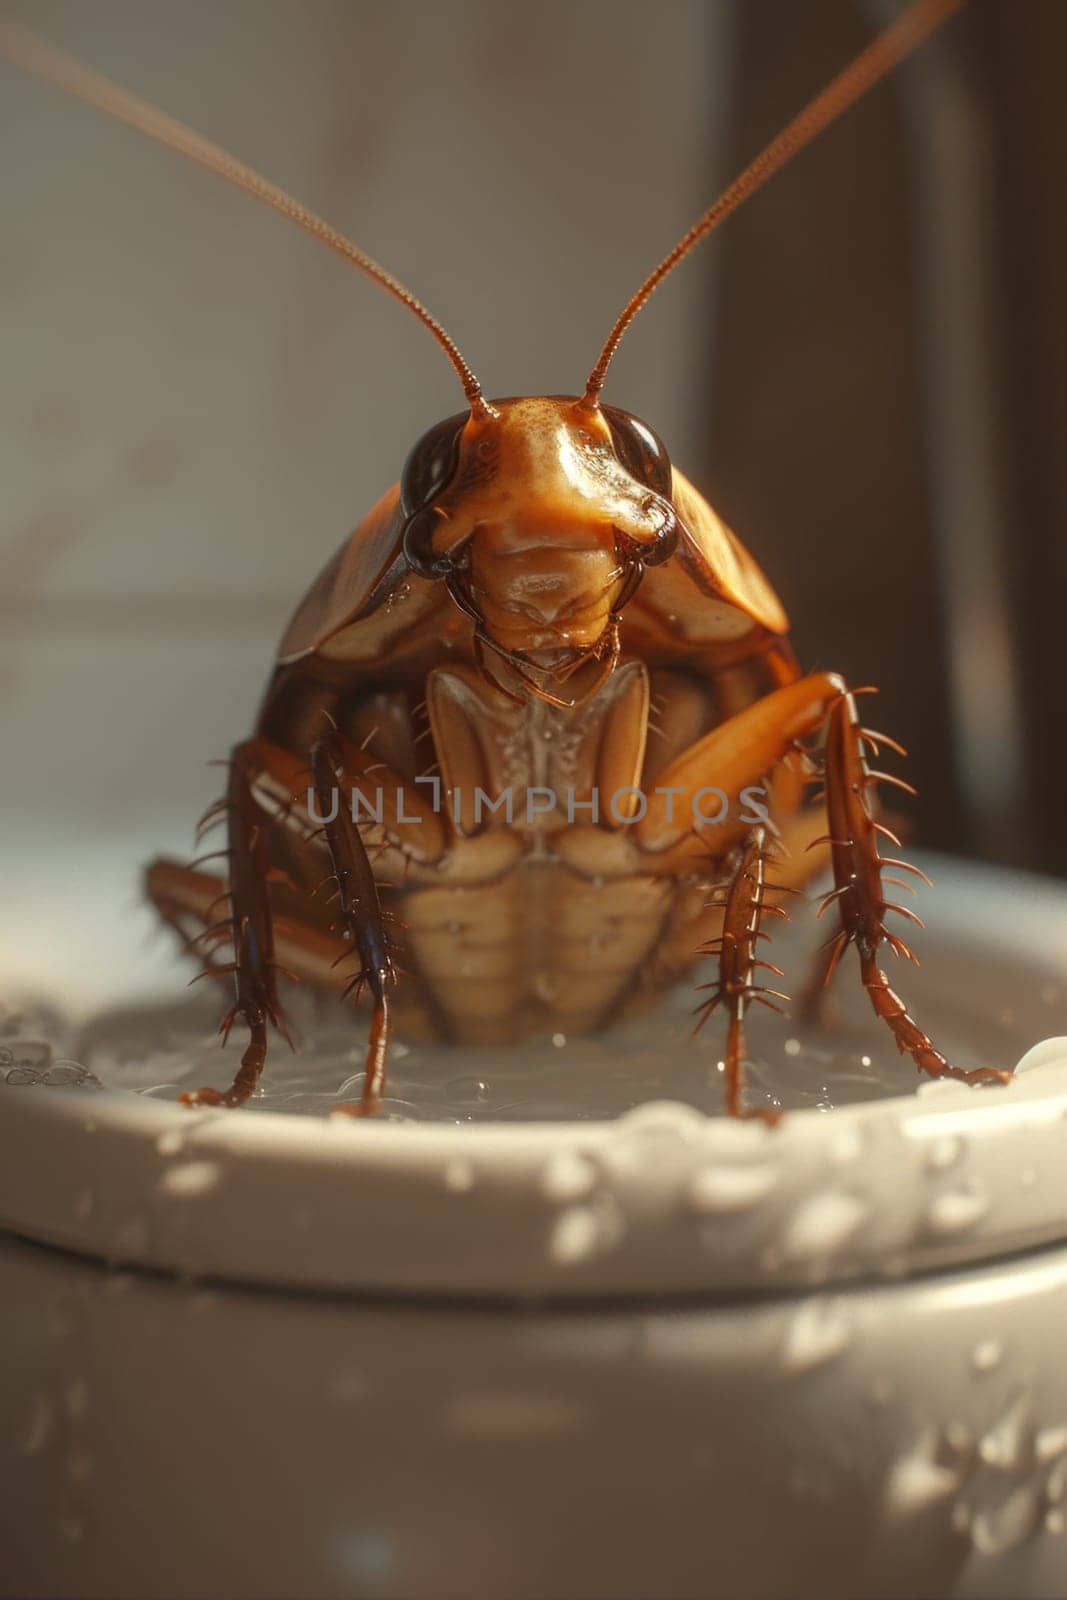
<point x="479" y="668"/>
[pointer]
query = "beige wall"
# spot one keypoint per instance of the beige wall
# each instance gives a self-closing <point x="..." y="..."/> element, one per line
<point x="197" y="402"/>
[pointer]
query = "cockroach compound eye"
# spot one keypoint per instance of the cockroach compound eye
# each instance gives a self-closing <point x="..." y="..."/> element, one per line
<point x="454" y="734"/>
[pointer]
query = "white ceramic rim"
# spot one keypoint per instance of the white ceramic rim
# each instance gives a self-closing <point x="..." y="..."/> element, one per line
<point x="662" y="1202"/>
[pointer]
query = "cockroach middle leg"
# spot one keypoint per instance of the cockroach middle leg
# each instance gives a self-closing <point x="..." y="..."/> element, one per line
<point x="859" y="894"/>
<point x="360" y="924"/>
<point x="737" y="949"/>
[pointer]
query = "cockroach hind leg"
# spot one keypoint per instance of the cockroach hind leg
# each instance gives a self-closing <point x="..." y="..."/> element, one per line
<point x="859" y="898"/>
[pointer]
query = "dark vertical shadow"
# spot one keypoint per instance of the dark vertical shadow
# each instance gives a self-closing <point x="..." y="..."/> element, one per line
<point x="1023" y="49"/>
<point x="861" y="335"/>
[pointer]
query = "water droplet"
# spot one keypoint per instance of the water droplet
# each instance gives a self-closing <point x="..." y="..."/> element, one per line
<point x="1001" y="1446"/>
<point x="1050" y="1444"/>
<point x="568" y="1175"/>
<point x="986" y="1355"/>
<point x="171" y="1143"/>
<point x="792" y="1047"/>
<point x="918" y="1480"/>
<point x="822" y="1224"/>
<point x="191" y="1178"/>
<point x="865" y="1061"/>
<point x="816" y="1334"/>
<point x="65" y="1074"/>
<point x="944" y="1152"/>
<point x="662" y="1119"/>
<point x="458" y="1175"/>
<point x="574" y="1235"/>
<point x="956" y="1209"/>
<point x="723" y="1189"/>
<point x="559" y="1040"/>
<point x="1054" y="1520"/>
<point x="469" y="1091"/>
<point x="582" y="1231"/>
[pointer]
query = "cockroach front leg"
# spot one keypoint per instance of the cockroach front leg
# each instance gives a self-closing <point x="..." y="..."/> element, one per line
<point x="859" y="893"/>
<point x="249" y="925"/>
<point x="361" y="923"/>
<point x="737" y="950"/>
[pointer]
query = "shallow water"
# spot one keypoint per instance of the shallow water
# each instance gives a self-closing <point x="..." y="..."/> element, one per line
<point x="980" y="1008"/>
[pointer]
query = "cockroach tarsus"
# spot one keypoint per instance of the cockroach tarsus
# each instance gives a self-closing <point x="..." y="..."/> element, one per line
<point x="502" y="622"/>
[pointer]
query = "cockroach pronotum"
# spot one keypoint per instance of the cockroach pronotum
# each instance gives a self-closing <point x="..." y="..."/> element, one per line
<point x="455" y="734"/>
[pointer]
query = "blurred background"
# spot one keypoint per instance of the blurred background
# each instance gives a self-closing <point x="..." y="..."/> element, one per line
<point x="866" y="371"/>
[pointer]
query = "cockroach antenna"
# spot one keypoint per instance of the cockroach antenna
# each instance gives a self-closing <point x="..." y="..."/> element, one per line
<point x="881" y="56"/>
<point x="23" y="49"/>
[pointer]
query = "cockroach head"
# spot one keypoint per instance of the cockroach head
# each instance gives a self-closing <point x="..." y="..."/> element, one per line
<point x="540" y="516"/>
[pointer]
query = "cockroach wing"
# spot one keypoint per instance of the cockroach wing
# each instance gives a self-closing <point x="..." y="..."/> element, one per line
<point x="717" y="563"/>
<point x="366" y="595"/>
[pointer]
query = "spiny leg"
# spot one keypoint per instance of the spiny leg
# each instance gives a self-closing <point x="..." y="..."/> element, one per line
<point x="812" y="1009"/>
<point x="858" y="887"/>
<point x="361" y="922"/>
<point x="737" y="949"/>
<point x="250" y="927"/>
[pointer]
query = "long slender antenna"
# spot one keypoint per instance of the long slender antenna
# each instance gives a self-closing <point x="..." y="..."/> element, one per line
<point x="21" y="47"/>
<point x="899" y="39"/>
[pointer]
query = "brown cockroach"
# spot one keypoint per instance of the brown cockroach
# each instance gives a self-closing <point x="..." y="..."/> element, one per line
<point x="498" y="628"/>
